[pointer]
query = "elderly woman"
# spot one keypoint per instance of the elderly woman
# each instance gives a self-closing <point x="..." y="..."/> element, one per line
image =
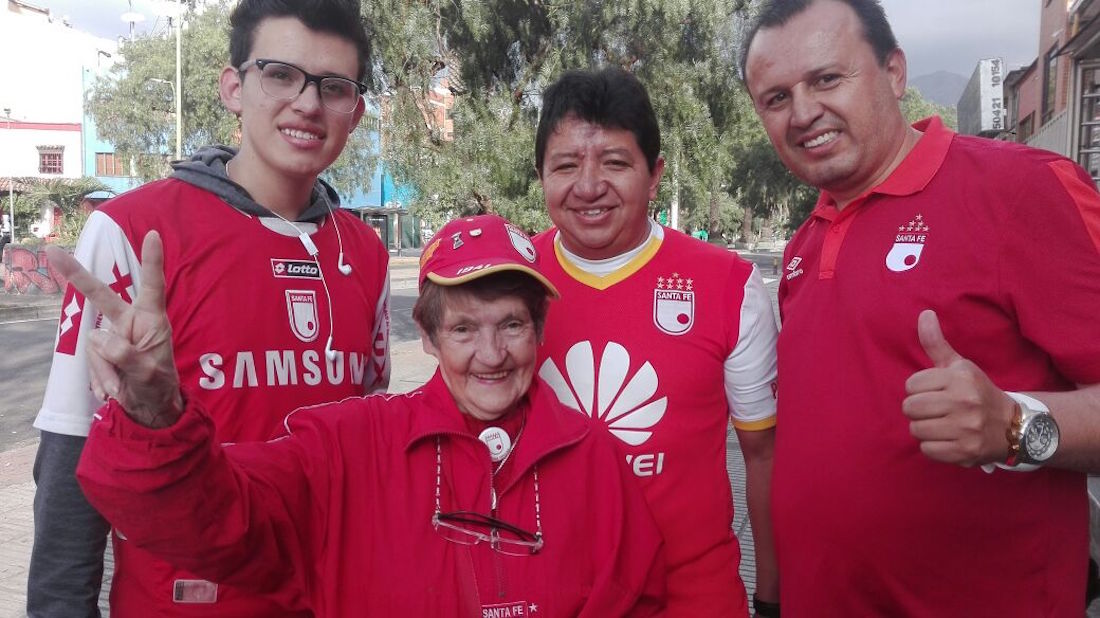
<point x="474" y="495"/>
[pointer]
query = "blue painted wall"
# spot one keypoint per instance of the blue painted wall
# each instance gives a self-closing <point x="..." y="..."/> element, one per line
<point x="94" y="144"/>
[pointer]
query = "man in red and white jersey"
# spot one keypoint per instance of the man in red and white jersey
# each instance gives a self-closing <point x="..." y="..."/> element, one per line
<point x="939" y="320"/>
<point x="277" y="297"/>
<point x="660" y="336"/>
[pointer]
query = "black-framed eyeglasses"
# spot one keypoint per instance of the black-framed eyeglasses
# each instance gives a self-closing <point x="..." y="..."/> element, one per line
<point x="471" y="528"/>
<point x="285" y="81"/>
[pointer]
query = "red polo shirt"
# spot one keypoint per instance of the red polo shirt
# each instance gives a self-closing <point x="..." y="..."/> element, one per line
<point x="1003" y="241"/>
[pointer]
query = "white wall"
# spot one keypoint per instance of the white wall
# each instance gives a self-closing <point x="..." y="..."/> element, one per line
<point x="42" y="82"/>
<point x="19" y="153"/>
<point x="44" y="61"/>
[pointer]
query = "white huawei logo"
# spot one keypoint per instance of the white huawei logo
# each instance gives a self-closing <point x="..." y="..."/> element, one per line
<point x="627" y="406"/>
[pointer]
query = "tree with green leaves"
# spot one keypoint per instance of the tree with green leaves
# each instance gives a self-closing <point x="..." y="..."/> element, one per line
<point x="915" y="107"/>
<point x="134" y="108"/>
<point x="496" y="56"/>
<point x="66" y="194"/>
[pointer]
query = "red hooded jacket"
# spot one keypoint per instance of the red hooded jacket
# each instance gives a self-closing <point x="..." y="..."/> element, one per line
<point x="336" y="516"/>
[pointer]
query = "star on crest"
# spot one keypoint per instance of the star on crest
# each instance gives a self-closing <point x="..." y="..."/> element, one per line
<point x="917" y="225"/>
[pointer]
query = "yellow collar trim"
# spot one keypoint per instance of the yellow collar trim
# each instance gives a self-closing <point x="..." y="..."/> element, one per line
<point x="602" y="282"/>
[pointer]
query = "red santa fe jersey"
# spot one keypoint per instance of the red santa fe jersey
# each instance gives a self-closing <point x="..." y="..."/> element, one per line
<point x="250" y="321"/>
<point x="664" y="349"/>
<point x="1003" y="242"/>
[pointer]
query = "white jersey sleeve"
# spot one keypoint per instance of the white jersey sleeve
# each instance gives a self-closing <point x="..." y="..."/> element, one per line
<point x="106" y="252"/>
<point x="377" y="377"/>
<point x="750" y="370"/>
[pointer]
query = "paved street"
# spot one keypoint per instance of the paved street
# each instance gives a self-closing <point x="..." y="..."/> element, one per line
<point x="24" y="367"/>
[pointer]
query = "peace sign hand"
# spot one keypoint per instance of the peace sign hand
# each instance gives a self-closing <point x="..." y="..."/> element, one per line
<point x="132" y="361"/>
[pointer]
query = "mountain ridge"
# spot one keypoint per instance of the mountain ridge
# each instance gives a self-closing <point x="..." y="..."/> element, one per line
<point x="941" y="87"/>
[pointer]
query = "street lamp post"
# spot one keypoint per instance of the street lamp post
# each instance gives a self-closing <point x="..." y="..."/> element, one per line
<point x="132" y="17"/>
<point x="179" y="85"/>
<point x="11" y="185"/>
<point x="176" y="97"/>
<point x="174" y="12"/>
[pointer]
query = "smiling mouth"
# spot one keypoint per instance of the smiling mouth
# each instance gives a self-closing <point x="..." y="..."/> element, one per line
<point x="821" y="140"/>
<point x="298" y="134"/>
<point x="497" y="375"/>
<point x="591" y="212"/>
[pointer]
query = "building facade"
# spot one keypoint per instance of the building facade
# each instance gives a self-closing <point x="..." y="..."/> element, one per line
<point x="1057" y="98"/>
<point x="44" y="131"/>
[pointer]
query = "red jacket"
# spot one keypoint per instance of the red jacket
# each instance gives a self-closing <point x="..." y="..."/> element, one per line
<point x="337" y="515"/>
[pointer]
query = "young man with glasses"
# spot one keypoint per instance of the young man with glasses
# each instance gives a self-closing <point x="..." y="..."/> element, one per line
<point x="477" y="494"/>
<point x="254" y="226"/>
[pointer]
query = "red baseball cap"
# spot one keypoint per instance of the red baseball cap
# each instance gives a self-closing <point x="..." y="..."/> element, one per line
<point x="472" y="247"/>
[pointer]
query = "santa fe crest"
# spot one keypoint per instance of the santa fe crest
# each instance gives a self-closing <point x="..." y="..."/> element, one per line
<point x="674" y="304"/>
<point x="301" y="307"/>
<point x="908" y="245"/>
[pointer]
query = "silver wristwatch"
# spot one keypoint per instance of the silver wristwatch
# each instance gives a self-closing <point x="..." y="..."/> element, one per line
<point x="1033" y="435"/>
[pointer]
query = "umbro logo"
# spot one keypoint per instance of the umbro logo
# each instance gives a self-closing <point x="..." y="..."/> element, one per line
<point x="793" y="269"/>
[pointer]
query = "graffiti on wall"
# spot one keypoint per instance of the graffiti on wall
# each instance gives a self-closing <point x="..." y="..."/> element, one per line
<point x="27" y="270"/>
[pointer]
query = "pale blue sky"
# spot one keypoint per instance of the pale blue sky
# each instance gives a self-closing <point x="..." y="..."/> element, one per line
<point x="952" y="35"/>
<point x="936" y="35"/>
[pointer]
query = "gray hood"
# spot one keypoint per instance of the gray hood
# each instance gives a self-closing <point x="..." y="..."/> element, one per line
<point x="206" y="170"/>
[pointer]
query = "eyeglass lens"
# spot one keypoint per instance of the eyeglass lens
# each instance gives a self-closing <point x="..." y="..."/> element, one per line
<point x="283" y="81"/>
<point x="505" y="539"/>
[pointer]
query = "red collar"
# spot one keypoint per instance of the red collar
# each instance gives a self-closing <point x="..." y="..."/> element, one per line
<point x="911" y="176"/>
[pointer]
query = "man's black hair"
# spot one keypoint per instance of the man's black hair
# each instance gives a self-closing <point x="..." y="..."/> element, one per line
<point x="876" y="29"/>
<point x="337" y="17"/>
<point x="611" y="98"/>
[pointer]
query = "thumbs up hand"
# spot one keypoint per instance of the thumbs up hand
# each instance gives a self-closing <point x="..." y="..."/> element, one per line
<point x="955" y="411"/>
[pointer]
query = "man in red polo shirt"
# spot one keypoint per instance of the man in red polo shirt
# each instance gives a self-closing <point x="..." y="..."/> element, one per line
<point x="938" y="325"/>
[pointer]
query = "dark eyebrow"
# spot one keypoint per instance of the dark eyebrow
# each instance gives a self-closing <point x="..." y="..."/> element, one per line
<point x="622" y="152"/>
<point x="824" y="69"/>
<point x="809" y="75"/>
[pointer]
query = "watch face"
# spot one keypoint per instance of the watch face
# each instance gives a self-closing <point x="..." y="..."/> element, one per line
<point x="1041" y="438"/>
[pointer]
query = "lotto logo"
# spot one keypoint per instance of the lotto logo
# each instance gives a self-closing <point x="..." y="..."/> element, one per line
<point x="68" y="327"/>
<point x="295" y="269"/>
